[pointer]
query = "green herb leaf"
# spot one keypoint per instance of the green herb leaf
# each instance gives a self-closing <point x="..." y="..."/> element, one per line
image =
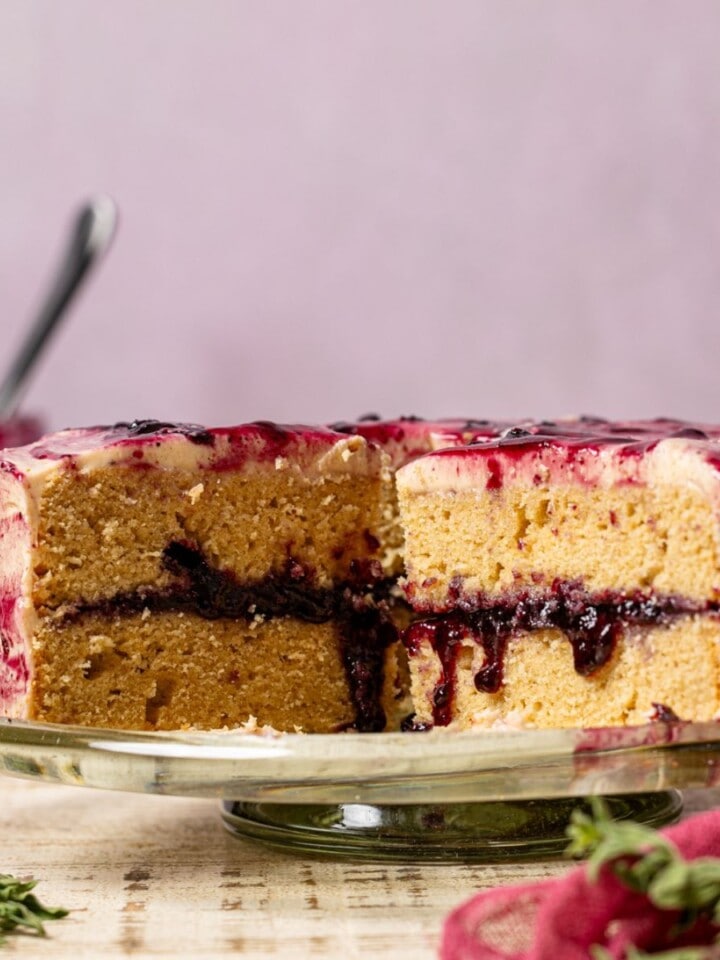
<point x="603" y="840"/>
<point x="19" y="907"/>
<point x="681" y="885"/>
<point x="647" y="863"/>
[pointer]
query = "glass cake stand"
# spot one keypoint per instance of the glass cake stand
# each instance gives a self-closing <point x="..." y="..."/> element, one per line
<point x="434" y="796"/>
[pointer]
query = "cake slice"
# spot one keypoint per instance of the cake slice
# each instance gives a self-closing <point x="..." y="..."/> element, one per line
<point x="160" y="575"/>
<point x="565" y="574"/>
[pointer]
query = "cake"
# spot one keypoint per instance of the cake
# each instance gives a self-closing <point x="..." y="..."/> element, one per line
<point x="161" y="576"/>
<point x="565" y="574"/>
<point x="366" y="575"/>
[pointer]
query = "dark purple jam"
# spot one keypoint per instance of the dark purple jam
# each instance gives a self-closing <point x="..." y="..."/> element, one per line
<point x="663" y="714"/>
<point x="690" y="433"/>
<point x="515" y="433"/>
<point x="357" y="607"/>
<point x="412" y="725"/>
<point x="365" y="634"/>
<point x="274" y="434"/>
<point x="213" y="594"/>
<point x="592" y="623"/>
<point x="591" y="420"/>
<point x="469" y="425"/>
<point x="157" y="428"/>
<point x="7" y="467"/>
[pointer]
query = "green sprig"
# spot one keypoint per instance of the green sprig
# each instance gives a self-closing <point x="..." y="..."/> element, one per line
<point x="649" y="864"/>
<point x="19" y="907"/>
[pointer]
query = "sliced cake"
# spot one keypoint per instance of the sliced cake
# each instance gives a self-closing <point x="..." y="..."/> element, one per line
<point x="156" y="576"/>
<point x="565" y="574"/>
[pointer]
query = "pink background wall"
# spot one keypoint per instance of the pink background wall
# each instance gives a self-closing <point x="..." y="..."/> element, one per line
<point x="334" y="206"/>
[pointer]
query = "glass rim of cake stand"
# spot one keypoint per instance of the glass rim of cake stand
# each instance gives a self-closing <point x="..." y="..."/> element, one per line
<point x="433" y="797"/>
<point x="436" y="766"/>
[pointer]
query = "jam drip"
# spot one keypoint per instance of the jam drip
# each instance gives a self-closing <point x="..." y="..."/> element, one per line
<point x="365" y="634"/>
<point x="358" y="608"/>
<point x="592" y="624"/>
<point x="662" y="713"/>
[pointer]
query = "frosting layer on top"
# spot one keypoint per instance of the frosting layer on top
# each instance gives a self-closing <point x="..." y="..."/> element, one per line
<point x="584" y="450"/>
<point x="189" y="446"/>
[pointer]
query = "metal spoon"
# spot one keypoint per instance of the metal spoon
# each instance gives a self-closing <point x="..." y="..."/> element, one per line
<point x="89" y="239"/>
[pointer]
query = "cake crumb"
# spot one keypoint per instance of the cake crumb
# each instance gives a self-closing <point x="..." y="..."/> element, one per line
<point x="280" y="463"/>
<point x="196" y="492"/>
<point x="99" y="642"/>
<point x="494" y="719"/>
<point x="110" y="529"/>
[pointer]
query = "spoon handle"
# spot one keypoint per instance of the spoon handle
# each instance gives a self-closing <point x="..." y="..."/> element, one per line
<point x="89" y="238"/>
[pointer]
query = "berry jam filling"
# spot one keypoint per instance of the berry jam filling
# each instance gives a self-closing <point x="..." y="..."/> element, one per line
<point x="358" y="608"/>
<point x="662" y="713"/>
<point x="592" y="624"/>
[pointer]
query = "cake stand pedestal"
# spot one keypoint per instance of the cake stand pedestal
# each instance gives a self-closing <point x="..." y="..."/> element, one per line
<point x="480" y="832"/>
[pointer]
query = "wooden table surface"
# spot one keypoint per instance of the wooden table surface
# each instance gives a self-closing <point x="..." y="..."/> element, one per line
<point x="148" y="876"/>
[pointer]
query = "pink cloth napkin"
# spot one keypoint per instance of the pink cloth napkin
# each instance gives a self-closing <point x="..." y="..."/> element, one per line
<point x="561" y="919"/>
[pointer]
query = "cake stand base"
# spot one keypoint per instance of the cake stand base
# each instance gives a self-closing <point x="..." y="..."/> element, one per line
<point x="482" y="832"/>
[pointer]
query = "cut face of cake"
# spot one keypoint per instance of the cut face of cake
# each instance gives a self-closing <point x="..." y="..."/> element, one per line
<point x="160" y="576"/>
<point x="565" y="574"/>
<point x="407" y="438"/>
<point x="404" y="440"/>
